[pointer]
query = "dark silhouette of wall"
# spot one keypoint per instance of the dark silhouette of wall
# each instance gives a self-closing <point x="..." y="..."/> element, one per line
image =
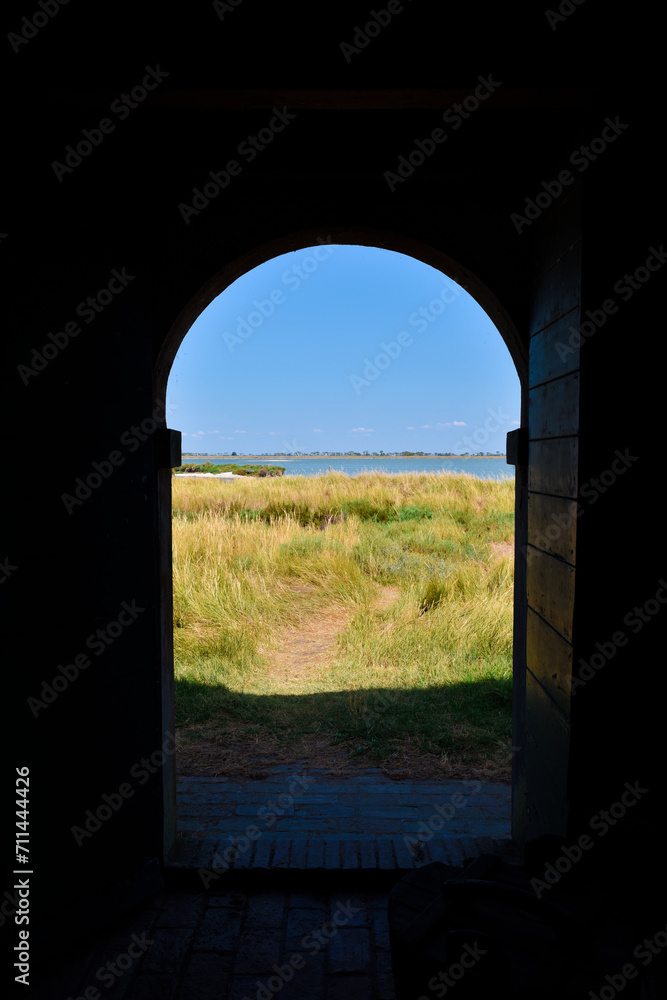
<point x="83" y="384"/>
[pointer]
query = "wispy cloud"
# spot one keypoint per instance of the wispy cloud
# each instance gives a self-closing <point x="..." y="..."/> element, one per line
<point x="362" y="430"/>
<point x="317" y="430"/>
<point x="453" y="423"/>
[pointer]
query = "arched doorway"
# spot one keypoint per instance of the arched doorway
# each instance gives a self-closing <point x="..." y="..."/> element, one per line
<point x="225" y="277"/>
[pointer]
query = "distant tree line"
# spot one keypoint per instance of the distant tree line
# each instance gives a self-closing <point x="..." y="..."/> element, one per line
<point x="357" y="454"/>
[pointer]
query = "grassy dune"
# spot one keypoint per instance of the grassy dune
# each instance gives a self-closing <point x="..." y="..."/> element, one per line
<point x="367" y="615"/>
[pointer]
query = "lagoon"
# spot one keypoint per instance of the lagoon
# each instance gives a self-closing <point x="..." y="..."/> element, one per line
<point x="312" y="465"/>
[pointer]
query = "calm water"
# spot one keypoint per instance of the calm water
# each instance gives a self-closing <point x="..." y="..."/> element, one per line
<point x="482" y="468"/>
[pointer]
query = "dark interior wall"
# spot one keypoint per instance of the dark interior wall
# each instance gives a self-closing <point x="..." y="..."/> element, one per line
<point x="620" y="610"/>
<point x="75" y="565"/>
<point x="594" y="563"/>
<point x="86" y="706"/>
<point x="551" y="551"/>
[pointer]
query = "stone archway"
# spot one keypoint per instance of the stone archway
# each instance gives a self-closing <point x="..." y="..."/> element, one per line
<point x="399" y="243"/>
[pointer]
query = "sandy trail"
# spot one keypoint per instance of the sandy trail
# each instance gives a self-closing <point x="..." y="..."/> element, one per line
<point x="302" y="649"/>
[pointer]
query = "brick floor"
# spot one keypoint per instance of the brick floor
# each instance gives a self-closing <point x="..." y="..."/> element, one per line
<point x="296" y="915"/>
<point x="312" y="819"/>
<point x="235" y="945"/>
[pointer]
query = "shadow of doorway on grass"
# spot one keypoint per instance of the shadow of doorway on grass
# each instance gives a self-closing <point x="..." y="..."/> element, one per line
<point x="451" y="732"/>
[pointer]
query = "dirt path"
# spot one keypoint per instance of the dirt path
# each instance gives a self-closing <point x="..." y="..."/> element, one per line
<point x="502" y="548"/>
<point x="300" y="650"/>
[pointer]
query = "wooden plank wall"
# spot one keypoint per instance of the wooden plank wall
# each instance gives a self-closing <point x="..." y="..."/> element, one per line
<point x="550" y="553"/>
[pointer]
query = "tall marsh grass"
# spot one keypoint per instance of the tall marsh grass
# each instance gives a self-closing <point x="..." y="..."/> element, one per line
<point x="415" y="571"/>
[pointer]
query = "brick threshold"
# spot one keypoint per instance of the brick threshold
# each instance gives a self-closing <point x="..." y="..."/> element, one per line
<point x="316" y="823"/>
<point x="321" y="879"/>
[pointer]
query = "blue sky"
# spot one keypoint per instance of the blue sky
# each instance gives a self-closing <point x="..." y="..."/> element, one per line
<point x="343" y="348"/>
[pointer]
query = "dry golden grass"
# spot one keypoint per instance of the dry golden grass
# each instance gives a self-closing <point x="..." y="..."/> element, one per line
<point x="369" y="615"/>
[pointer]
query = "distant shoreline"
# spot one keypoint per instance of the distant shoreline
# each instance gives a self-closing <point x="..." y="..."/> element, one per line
<point x="342" y="457"/>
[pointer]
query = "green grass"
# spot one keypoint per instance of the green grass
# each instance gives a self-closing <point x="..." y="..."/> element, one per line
<point x="424" y="666"/>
